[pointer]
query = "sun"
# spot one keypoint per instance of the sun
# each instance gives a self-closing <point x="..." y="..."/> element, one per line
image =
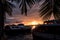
<point x="34" y="23"/>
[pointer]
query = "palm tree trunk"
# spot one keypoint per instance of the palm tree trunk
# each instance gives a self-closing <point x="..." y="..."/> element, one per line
<point x="2" y="23"/>
<point x="2" y="13"/>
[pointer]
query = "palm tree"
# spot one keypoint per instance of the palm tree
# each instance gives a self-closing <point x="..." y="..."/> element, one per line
<point x="5" y="7"/>
<point x="50" y="7"/>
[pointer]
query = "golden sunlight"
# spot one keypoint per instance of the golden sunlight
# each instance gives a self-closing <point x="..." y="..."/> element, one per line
<point x="34" y="23"/>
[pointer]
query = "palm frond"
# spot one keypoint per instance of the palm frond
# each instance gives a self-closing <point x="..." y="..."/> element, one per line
<point x="56" y="9"/>
<point x="47" y="15"/>
<point x="45" y="7"/>
<point x="30" y="3"/>
<point x="49" y="7"/>
<point x="8" y="7"/>
<point x="10" y="4"/>
<point x="24" y="9"/>
<point x="23" y="5"/>
<point x="17" y="1"/>
<point x="37" y="1"/>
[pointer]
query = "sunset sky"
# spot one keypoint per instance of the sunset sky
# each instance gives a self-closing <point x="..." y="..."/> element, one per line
<point x="33" y="15"/>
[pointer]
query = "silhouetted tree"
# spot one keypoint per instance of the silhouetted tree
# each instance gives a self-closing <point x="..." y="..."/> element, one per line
<point x="5" y="7"/>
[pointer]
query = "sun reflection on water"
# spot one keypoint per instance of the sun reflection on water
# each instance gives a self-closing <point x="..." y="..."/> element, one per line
<point x="33" y="27"/>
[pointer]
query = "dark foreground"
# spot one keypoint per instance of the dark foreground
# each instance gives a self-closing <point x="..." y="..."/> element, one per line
<point x="20" y="37"/>
<point x="30" y="36"/>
